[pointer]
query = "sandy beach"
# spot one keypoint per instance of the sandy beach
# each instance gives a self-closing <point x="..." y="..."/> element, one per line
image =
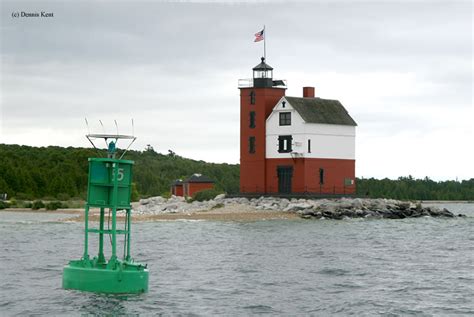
<point x="226" y="213"/>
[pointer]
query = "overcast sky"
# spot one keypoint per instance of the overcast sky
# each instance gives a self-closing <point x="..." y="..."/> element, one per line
<point x="402" y="69"/>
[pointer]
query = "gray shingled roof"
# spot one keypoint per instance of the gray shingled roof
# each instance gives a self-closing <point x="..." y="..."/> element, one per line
<point x="198" y="178"/>
<point x="317" y="110"/>
<point x="177" y="182"/>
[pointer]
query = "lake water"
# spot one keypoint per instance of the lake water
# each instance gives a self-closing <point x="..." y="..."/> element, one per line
<point x="421" y="267"/>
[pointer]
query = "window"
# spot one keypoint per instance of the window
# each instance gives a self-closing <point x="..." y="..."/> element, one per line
<point x="252" y="97"/>
<point x="252" y="119"/>
<point x="283" y="104"/>
<point x="309" y="145"/>
<point x="285" y="118"/>
<point x="321" y="176"/>
<point x="284" y="143"/>
<point x="252" y="144"/>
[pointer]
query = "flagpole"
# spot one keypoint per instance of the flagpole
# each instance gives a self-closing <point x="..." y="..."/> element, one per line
<point x="264" y="43"/>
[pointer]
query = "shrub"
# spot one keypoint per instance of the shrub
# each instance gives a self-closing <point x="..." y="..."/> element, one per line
<point x="63" y="196"/>
<point x="206" y="194"/>
<point x="20" y="203"/>
<point x="53" y="205"/>
<point x="37" y="204"/>
<point x="22" y="196"/>
<point x="78" y="203"/>
<point x="166" y="194"/>
<point x="135" y="196"/>
<point x="4" y="204"/>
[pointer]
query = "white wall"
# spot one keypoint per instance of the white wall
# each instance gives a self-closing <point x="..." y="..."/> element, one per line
<point x="327" y="140"/>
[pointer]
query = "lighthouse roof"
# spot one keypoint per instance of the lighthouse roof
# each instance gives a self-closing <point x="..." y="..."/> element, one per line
<point x="263" y="66"/>
<point x="317" y="110"/>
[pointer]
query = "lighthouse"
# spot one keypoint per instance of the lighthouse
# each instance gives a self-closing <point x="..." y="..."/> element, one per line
<point x="293" y="145"/>
<point x="258" y="97"/>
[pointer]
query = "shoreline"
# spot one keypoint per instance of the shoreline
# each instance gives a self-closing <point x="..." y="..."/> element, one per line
<point x="220" y="214"/>
<point x="237" y="211"/>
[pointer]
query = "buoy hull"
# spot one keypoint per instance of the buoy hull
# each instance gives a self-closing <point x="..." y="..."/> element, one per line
<point x="109" y="281"/>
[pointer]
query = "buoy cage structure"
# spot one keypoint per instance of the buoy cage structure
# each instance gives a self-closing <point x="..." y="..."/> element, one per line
<point x="109" y="187"/>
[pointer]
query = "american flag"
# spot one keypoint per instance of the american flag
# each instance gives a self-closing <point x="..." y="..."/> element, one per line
<point x="259" y="36"/>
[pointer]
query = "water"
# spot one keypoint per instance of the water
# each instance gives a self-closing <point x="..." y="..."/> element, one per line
<point x="420" y="267"/>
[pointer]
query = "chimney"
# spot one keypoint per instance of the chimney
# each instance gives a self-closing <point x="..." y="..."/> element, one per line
<point x="308" y="92"/>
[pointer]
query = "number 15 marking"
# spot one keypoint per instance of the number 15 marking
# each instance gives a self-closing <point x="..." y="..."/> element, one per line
<point x="120" y="174"/>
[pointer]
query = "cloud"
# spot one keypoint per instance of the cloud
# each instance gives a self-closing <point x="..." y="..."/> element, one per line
<point x="402" y="69"/>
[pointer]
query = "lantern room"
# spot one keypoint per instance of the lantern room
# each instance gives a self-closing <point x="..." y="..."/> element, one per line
<point x="262" y="75"/>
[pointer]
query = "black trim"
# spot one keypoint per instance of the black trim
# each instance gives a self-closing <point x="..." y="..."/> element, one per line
<point x="285" y="175"/>
<point x="252" y="97"/>
<point x="282" y="143"/>
<point x="252" y="144"/>
<point x="285" y="118"/>
<point x="321" y="176"/>
<point x="252" y="119"/>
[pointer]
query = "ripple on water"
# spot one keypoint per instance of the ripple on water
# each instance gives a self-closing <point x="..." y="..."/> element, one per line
<point x="333" y="271"/>
<point x="386" y="267"/>
<point x="260" y="309"/>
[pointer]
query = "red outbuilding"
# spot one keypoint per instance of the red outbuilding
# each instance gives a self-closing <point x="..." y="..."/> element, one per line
<point x="191" y="185"/>
<point x="196" y="183"/>
<point x="293" y="145"/>
<point x="177" y="187"/>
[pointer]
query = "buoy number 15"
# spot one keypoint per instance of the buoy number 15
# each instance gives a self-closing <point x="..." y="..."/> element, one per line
<point x="120" y="174"/>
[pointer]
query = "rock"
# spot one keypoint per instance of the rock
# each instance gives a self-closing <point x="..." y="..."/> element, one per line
<point x="446" y="213"/>
<point x="403" y="205"/>
<point x="357" y="203"/>
<point x="314" y="208"/>
<point x="243" y="200"/>
<point x="219" y="197"/>
<point x="171" y="207"/>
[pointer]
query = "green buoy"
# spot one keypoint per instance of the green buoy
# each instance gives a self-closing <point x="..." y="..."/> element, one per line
<point x="109" y="186"/>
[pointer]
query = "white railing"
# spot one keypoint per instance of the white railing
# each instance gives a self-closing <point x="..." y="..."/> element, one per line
<point x="245" y="83"/>
<point x="248" y="83"/>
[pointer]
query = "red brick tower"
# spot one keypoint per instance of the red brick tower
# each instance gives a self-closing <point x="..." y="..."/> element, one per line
<point x="258" y="96"/>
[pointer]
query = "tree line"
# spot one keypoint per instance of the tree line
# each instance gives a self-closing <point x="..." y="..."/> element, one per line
<point x="416" y="189"/>
<point x="61" y="173"/>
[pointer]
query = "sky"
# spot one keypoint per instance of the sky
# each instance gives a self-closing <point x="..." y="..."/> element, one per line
<point x="403" y="70"/>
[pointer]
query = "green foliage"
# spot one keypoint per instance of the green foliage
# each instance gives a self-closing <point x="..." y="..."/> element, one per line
<point x="29" y="173"/>
<point x="166" y="194"/>
<point x="4" y="204"/>
<point x="134" y="196"/>
<point x="416" y="189"/>
<point x="63" y="196"/>
<point x="206" y="194"/>
<point x="53" y="205"/>
<point x="74" y="203"/>
<point x="37" y="204"/>
<point x="20" y="203"/>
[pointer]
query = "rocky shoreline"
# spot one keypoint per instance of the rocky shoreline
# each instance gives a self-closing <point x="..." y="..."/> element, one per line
<point x="305" y="208"/>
